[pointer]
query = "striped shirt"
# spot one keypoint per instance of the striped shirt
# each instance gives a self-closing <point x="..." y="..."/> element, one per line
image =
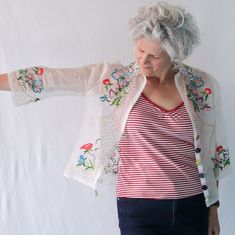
<point x="157" y="156"/>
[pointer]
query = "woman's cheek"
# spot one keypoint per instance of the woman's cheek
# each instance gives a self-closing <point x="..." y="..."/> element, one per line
<point x="156" y="66"/>
<point x="160" y="64"/>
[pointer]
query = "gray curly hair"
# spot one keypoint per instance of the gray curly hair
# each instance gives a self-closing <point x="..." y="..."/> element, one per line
<point x="169" y="24"/>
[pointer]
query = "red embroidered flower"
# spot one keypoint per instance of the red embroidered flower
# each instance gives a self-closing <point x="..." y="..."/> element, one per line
<point x="219" y="148"/>
<point x="40" y="71"/>
<point x="87" y="146"/>
<point x="106" y="82"/>
<point x="208" y="91"/>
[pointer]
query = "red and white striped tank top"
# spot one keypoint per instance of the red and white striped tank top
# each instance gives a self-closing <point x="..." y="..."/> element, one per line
<point x="157" y="157"/>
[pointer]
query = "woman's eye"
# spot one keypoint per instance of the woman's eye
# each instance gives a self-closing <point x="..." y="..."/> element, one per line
<point x="156" y="57"/>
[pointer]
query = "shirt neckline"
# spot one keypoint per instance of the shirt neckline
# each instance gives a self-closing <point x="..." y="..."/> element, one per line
<point x="161" y="108"/>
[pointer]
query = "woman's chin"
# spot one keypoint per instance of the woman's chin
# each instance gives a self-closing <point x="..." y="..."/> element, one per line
<point x="146" y="72"/>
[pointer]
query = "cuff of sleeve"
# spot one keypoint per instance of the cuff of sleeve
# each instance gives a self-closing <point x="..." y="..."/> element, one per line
<point x="20" y="94"/>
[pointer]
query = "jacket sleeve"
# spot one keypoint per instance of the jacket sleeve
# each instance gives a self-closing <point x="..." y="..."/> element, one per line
<point x="35" y="83"/>
<point x="222" y="161"/>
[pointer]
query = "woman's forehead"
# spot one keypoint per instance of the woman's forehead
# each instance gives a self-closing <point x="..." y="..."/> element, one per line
<point x="149" y="44"/>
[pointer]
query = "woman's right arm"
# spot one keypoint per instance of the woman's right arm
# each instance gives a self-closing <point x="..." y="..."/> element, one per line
<point x="35" y="83"/>
<point x="4" y="83"/>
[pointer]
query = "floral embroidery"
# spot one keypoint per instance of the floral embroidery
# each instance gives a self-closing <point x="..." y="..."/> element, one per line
<point x="133" y="69"/>
<point x="222" y="160"/>
<point x="31" y="78"/>
<point x="116" y="89"/>
<point x="112" y="166"/>
<point x="198" y="97"/>
<point x="186" y="70"/>
<point x="87" y="159"/>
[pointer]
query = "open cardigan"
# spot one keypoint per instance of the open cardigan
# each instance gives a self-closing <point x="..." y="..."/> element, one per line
<point x="115" y="88"/>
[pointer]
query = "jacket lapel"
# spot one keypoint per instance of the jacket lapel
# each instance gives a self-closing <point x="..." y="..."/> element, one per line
<point x="182" y="80"/>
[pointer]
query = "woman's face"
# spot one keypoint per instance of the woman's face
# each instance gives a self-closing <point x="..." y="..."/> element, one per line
<point x="153" y="60"/>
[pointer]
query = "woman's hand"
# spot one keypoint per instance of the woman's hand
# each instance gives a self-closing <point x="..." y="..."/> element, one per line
<point x="214" y="227"/>
<point x="4" y="84"/>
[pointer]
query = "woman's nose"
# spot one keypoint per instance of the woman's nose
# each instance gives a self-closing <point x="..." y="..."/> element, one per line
<point x="145" y="59"/>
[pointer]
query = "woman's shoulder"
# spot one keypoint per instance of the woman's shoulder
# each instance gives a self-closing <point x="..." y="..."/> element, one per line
<point x="193" y="71"/>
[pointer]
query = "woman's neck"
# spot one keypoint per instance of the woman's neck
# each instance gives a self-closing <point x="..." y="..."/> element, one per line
<point x="165" y="80"/>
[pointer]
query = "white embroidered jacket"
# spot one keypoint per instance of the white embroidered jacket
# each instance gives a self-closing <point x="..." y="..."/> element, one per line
<point x="115" y="89"/>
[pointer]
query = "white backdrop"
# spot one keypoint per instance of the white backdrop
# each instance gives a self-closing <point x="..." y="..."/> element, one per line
<point x="36" y="140"/>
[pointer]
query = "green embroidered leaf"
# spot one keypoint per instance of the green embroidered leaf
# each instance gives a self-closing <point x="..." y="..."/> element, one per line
<point x="195" y="106"/>
<point x="117" y="101"/>
<point x="118" y="92"/>
<point x="227" y="162"/>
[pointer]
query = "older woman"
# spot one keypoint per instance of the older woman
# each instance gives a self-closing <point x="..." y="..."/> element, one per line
<point x="158" y="160"/>
<point x="156" y="124"/>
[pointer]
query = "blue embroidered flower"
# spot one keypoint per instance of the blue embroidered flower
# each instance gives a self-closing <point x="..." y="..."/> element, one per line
<point x="196" y="82"/>
<point x="37" y="86"/>
<point x="104" y="98"/>
<point x="118" y="74"/>
<point x="81" y="160"/>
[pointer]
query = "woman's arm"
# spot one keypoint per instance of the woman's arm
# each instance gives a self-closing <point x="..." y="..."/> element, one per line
<point x="222" y="161"/>
<point x="214" y="225"/>
<point x="4" y="83"/>
<point x="35" y="83"/>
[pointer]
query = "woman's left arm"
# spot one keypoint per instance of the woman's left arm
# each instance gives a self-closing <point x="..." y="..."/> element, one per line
<point x="214" y="226"/>
<point x="222" y="161"/>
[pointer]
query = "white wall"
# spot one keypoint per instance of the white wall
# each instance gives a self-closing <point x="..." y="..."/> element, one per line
<point x="36" y="140"/>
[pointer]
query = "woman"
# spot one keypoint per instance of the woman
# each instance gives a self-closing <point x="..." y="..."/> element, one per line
<point x="157" y="124"/>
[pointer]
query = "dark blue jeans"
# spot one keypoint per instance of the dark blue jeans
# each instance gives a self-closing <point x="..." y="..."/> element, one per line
<point x="139" y="216"/>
